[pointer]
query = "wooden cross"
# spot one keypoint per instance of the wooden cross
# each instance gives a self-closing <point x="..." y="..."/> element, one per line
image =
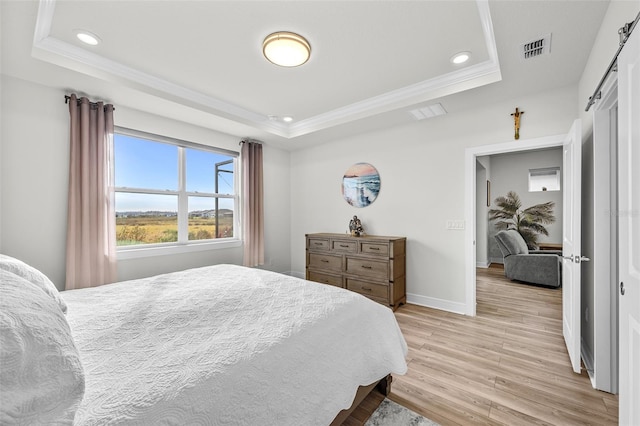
<point x="516" y="122"/>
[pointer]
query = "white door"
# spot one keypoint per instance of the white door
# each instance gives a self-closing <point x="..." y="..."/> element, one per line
<point x="629" y="229"/>
<point x="571" y="244"/>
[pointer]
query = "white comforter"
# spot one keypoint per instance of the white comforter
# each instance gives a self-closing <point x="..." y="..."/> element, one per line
<point x="227" y="345"/>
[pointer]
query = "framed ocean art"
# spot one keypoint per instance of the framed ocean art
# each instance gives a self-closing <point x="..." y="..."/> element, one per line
<point x="361" y="185"/>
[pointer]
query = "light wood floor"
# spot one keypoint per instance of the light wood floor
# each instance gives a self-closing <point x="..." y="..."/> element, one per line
<point x="506" y="366"/>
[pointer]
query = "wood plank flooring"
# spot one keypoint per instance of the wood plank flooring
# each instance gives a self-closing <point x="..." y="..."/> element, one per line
<point x="506" y="366"/>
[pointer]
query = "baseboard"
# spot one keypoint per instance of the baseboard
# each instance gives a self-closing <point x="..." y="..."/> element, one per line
<point x="499" y="260"/>
<point x="295" y="274"/>
<point x="432" y="302"/>
<point x="416" y="299"/>
<point x="587" y="358"/>
<point x="483" y="264"/>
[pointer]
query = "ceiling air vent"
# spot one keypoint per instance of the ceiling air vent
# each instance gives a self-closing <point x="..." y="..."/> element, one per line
<point x="540" y="46"/>
<point x="429" y="111"/>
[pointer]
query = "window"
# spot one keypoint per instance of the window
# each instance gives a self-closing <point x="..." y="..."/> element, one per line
<point x="170" y="192"/>
<point x="547" y="179"/>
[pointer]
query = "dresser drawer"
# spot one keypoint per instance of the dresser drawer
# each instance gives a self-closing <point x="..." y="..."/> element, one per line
<point x="325" y="278"/>
<point x="367" y="267"/>
<point x="372" y="248"/>
<point x="319" y="244"/>
<point x="325" y="261"/>
<point x="344" y="246"/>
<point x="368" y="289"/>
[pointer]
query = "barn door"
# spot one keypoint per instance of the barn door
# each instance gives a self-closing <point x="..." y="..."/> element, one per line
<point x="629" y="229"/>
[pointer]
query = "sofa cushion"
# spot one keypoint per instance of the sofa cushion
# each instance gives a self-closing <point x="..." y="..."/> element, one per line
<point x="512" y="241"/>
<point x="542" y="269"/>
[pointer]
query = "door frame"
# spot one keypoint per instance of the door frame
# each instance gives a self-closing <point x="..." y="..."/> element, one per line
<point x="470" y="201"/>
<point x="604" y="371"/>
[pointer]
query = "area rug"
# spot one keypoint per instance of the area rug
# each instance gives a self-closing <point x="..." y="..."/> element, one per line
<point x="391" y="414"/>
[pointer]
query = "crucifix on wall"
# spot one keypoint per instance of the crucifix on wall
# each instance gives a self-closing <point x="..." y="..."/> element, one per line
<point x="516" y="122"/>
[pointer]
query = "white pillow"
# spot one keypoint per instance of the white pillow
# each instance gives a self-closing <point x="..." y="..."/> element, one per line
<point x="42" y="378"/>
<point x="32" y="275"/>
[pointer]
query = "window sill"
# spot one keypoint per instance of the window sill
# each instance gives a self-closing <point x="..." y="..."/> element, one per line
<point x="163" y="250"/>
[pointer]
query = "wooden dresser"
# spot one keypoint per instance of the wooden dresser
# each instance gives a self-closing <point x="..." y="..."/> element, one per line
<point x="372" y="265"/>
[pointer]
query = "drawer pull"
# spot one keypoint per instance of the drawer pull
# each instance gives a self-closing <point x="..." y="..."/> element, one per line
<point x="317" y="243"/>
<point x="374" y="248"/>
<point x="366" y="288"/>
<point x="324" y="261"/>
<point x="366" y="266"/>
<point x="344" y="246"/>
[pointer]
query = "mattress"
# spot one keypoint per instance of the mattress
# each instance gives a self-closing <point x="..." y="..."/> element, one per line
<point x="226" y="344"/>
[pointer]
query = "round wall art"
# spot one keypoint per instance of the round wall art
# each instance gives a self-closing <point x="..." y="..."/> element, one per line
<point x="360" y="184"/>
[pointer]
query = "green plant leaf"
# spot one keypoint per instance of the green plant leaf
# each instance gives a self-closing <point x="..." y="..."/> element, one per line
<point x="528" y="222"/>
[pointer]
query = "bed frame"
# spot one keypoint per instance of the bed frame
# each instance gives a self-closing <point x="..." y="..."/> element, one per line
<point x="383" y="386"/>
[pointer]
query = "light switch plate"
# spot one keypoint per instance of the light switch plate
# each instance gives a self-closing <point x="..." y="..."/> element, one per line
<point x="455" y="225"/>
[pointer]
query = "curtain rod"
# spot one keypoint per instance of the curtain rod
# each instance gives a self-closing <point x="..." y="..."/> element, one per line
<point x="626" y="31"/>
<point x="67" y="98"/>
<point x="250" y="141"/>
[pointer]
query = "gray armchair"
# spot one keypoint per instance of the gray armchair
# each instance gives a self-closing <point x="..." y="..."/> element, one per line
<point x="541" y="267"/>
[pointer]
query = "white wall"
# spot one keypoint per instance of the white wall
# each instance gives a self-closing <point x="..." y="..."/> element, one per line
<point x="34" y="177"/>
<point x="510" y="172"/>
<point x="34" y="168"/>
<point x="421" y="166"/>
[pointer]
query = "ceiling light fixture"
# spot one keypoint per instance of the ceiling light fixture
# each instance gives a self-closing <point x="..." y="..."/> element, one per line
<point x="286" y="49"/>
<point x="287" y="119"/>
<point x="87" y="37"/>
<point x="461" y="57"/>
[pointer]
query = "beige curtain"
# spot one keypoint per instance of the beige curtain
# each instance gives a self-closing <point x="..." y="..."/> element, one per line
<point x="91" y="245"/>
<point x="253" y="204"/>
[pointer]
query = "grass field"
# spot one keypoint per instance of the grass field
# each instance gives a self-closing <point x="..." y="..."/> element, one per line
<point x="162" y="229"/>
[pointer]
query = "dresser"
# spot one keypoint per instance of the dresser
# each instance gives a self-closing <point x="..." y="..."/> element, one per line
<point x="374" y="266"/>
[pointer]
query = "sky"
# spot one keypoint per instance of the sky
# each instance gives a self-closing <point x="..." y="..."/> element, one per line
<point x="361" y="169"/>
<point x="142" y="164"/>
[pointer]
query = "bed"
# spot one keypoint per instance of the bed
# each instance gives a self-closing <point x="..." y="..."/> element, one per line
<point x="216" y="345"/>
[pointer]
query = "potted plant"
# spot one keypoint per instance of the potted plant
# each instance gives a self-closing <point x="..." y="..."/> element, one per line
<point x="528" y="222"/>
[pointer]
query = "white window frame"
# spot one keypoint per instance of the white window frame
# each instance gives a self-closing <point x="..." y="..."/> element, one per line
<point x="183" y="245"/>
<point x="552" y="172"/>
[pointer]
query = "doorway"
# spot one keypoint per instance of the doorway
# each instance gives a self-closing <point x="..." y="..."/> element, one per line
<point x="471" y="157"/>
<point x="571" y="228"/>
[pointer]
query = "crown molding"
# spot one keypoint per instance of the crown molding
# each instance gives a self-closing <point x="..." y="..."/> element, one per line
<point x="44" y="20"/>
<point x="446" y="84"/>
<point x="50" y="49"/>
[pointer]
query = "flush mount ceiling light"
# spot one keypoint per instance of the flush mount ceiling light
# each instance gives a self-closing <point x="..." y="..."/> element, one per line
<point x="286" y="49"/>
<point x="461" y="57"/>
<point x="87" y="37"/>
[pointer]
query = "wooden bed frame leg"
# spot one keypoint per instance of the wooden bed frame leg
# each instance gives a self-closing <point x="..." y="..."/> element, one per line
<point x="384" y="385"/>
